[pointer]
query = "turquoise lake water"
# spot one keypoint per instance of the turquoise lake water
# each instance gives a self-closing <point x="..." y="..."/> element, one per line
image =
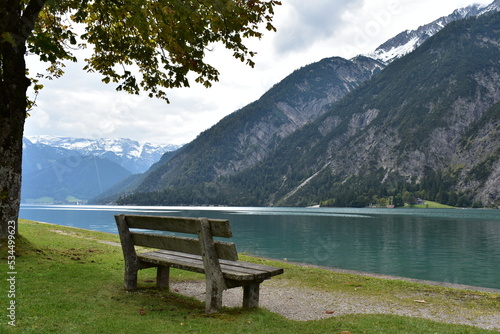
<point x="459" y="246"/>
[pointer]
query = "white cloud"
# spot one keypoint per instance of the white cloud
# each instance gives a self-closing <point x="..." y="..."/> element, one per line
<point x="308" y="22"/>
<point x="80" y="105"/>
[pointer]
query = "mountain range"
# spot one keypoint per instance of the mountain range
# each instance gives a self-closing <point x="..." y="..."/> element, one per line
<point x="353" y="132"/>
<point x="418" y="117"/>
<point x="65" y="169"/>
<point x="130" y="154"/>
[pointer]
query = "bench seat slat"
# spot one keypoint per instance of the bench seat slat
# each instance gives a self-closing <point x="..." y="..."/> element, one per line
<point x="233" y="270"/>
<point x="190" y="265"/>
<point x="196" y="264"/>
<point x="235" y="264"/>
<point x="273" y="271"/>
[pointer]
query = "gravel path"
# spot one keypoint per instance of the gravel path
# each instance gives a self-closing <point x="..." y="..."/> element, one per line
<point x="305" y="304"/>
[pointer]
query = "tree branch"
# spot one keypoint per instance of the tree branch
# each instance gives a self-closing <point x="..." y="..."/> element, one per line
<point x="30" y="16"/>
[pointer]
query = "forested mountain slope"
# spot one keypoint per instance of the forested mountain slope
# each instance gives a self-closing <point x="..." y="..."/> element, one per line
<point x="426" y="126"/>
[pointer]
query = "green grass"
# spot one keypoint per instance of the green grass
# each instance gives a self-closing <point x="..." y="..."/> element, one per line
<point x="73" y="199"/>
<point x="434" y="205"/>
<point x="42" y="200"/>
<point x="69" y="281"/>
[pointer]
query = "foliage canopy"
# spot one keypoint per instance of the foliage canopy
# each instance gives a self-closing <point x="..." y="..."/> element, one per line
<point x="147" y="45"/>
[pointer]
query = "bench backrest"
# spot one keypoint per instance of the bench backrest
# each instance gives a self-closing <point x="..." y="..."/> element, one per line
<point x="204" y="228"/>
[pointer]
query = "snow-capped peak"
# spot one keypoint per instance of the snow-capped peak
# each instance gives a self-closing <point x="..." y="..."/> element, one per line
<point x="409" y="40"/>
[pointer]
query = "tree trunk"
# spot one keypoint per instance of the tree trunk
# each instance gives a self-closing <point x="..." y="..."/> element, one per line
<point x="13" y="88"/>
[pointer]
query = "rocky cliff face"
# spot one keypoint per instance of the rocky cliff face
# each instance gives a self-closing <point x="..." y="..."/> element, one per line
<point x="246" y="137"/>
<point x="323" y="84"/>
<point x="447" y="121"/>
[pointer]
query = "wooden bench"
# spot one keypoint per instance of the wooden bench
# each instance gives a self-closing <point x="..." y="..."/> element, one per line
<point x="218" y="260"/>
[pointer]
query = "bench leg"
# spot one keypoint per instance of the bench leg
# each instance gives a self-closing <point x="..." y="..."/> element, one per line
<point x="213" y="298"/>
<point x="251" y="295"/>
<point x="130" y="279"/>
<point x="162" y="277"/>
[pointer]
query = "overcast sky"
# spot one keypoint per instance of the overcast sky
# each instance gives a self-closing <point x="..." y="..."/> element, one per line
<point x="79" y="105"/>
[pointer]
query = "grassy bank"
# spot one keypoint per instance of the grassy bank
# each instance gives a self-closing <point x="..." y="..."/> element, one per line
<point x="70" y="281"/>
<point x="433" y="205"/>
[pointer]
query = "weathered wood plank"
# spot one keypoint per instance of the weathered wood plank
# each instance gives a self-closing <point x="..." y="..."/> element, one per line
<point x="244" y="267"/>
<point x="225" y="250"/>
<point x="231" y="270"/>
<point x="273" y="271"/>
<point x="181" y="244"/>
<point x="179" y="263"/>
<point x="218" y="227"/>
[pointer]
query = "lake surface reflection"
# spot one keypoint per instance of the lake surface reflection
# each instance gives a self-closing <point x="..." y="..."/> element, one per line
<point x="446" y="245"/>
